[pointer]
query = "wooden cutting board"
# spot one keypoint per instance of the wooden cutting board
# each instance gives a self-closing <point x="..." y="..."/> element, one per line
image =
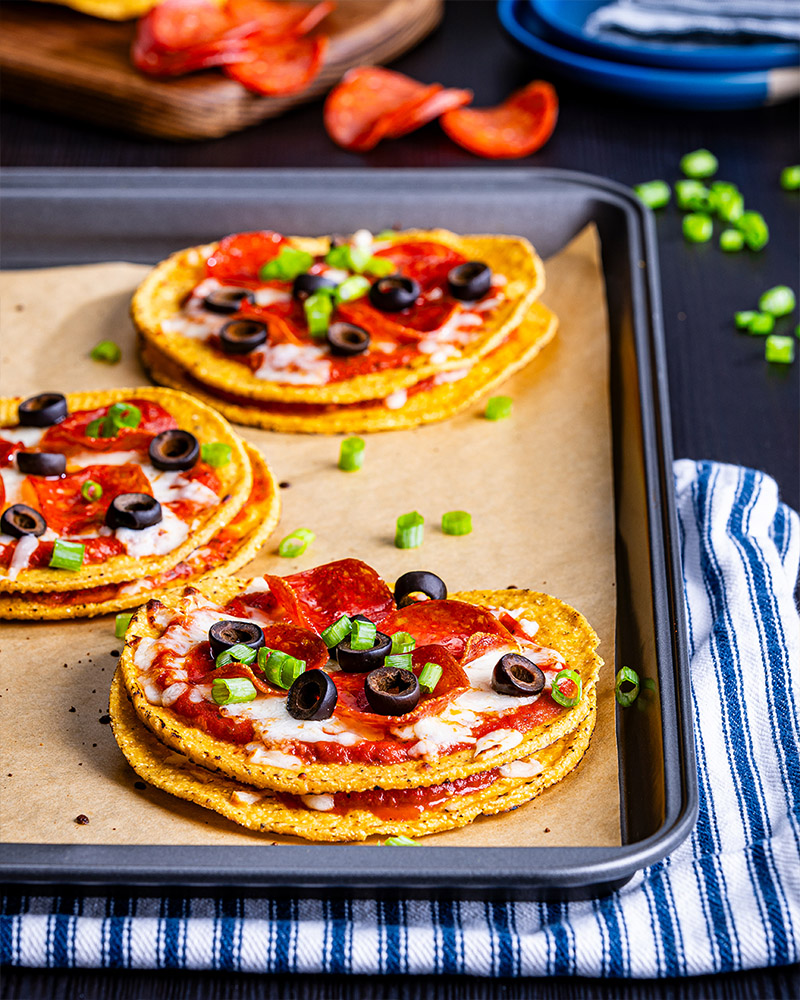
<point x="75" y="65"/>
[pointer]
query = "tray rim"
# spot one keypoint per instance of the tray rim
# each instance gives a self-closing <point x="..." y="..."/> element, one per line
<point x="578" y="868"/>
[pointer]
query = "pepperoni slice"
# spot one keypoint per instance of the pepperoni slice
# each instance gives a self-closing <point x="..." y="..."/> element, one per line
<point x="428" y="263"/>
<point x="151" y="58"/>
<point x="515" y="128"/>
<point x="344" y="587"/>
<point x="364" y="95"/>
<point x="298" y="642"/>
<point x="64" y="508"/>
<point x="418" y="112"/>
<point x="417" y="323"/>
<point x="278" y="20"/>
<point x="278" y="68"/>
<point x="70" y="435"/>
<point x="238" y="258"/>
<point x="183" y="24"/>
<point x="446" y="623"/>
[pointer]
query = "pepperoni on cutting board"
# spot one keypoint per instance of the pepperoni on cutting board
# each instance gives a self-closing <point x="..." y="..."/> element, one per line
<point x="518" y="127"/>
<point x="279" y="68"/>
<point x="182" y="24"/>
<point x="278" y="20"/>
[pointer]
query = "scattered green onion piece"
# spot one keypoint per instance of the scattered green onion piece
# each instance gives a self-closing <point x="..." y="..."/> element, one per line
<point x="349" y="257"/>
<point x="727" y="202"/>
<point x="121" y="623"/>
<point x="743" y="318"/>
<point x="779" y="350"/>
<point x="351" y="454"/>
<point x="498" y="408"/>
<point x="655" y="194"/>
<point x="318" y="309"/>
<point x="354" y="287"/>
<point x="239" y="652"/>
<point x="295" y="543"/>
<point x="699" y="164"/>
<point x="334" y="634"/>
<point x="67" y="555"/>
<point x="626" y="689"/>
<point x="410" y="530"/>
<point x="558" y="695"/>
<point x="93" y="428"/>
<point x="429" y="677"/>
<point x="106" y="351"/>
<point x="400" y="661"/>
<point x="362" y="634"/>
<point x="456" y="522"/>
<point x="755" y="229"/>
<point x="91" y="490"/>
<point x="401" y="842"/>
<point x="402" y="642"/>
<point x="779" y="301"/>
<point x="731" y="240"/>
<point x="761" y="324"/>
<point x="691" y="196"/>
<point x="281" y="669"/>
<point x="216" y="453"/>
<point x="697" y="227"/>
<point x="286" y="266"/>
<point x="790" y="178"/>
<point x="379" y="267"/>
<point x="232" y="690"/>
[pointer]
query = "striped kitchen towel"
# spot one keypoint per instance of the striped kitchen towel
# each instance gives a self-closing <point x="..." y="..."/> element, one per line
<point x="728" y="898"/>
<point x="722" y="20"/>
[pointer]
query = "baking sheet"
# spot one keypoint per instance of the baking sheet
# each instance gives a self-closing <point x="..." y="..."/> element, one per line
<point x="539" y="487"/>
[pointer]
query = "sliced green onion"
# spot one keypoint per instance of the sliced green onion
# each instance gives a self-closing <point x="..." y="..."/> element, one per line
<point x="118" y="416"/>
<point x="779" y="350"/>
<point x="558" y="695"/>
<point x="351" y="454"/>
<point x="727" y="202"/>
<point x="216" y="453"/>
<point x="362" y="634"/>
<point x="349" y="257"/>
<point x="67" y="555"/>
<point x="240" y="653"/>
<point x="691" y="196"/>
<point x="779" y="301"/>
<point x="626" y="689"/>
<point x="91" y="490"/>
<point x="401" y="842"/>
<point x="410" y="530"/>
<point x="93" y="428"/>
<point x="790" y="178"/>
<point x="456" y="522"/>
<point x="655" y="194"/>
<point x="755" y="229"/>
<point x="121" y="623"/>
<point x="498" y="408"/>
<point x="743" y="318"/>
<point x="731" y="240"/>
<point x="295" y="543"/>
<point x="354" y="287"/>
<point x="106" y="351"/>
<point x="318" y="309"/>
<point x="232" y="690"/>
<point x="287" y="265"/>
<point x="400" y="661"/>
<point x="697" y="227"/>
<point x="281" y="669"/>
<point x="429" y="677"/>
<point x="402" y="642"/>
<point x="334" y="634"/>
<point x="761" y="324"/>
<point x="699" y="163"/>
<point x="379" y="267"/>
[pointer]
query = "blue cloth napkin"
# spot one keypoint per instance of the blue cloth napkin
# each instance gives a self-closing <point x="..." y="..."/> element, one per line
<point x="751" y="20"/>
<point x="728" y="898"/>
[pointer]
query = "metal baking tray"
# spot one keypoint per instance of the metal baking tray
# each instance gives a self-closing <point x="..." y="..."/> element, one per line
<point x="53" y="217"/>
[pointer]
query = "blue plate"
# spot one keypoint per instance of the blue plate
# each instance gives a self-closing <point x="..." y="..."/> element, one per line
<point x="695" y="89"/>
<point x="566" y="18"/>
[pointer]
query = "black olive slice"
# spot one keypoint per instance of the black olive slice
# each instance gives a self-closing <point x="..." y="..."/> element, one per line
<point x="517" y="675"/>
<point x="359" y="661"/>
<point x="228" y="299"/>
<point x="240" y="336"/>
<point x="469" y="281"/>
<point x="20" y="520"/>
<point x="133" y="510"/>
<point x="419" y="582"/>
<point x="44" y="410"/>
<point x="174" y="451"/>
<point x="224" y="635"/>
<point x="312" y="696"/>
<point x="347" y="339"/>
<point x="306" y="284"/>
<point x="41" y="463"/>
<point x="394" y="293"/>
<point x="391" y="691"/>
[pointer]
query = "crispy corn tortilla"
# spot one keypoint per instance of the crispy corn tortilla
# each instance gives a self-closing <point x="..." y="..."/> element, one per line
<point x="253" y="525"/>
<point x="162" y="293"/>
<point x="560" y="627"/>
<point x="426" y="406"/>
<point x="174" y="773"/>
<point x="112" y="10"/>
<point x="207" y="425"/>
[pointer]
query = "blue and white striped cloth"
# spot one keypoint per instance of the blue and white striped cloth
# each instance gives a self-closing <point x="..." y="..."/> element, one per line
<point x="728" y="899"/>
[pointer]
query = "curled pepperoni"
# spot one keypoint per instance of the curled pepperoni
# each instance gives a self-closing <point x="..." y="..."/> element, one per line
<point x="155" y="59"/>
<point x="428" y="263"/>
<point x="298" y="642"/>
<point x="278" y="68"/>
<point x="183" y="24"/>
<point x="238" y="258"/>
<point x="410" y="326"/>
<point x="344" y="587"/>
<point x="518" y="127"/>
<point x="70" y="435"/>
<point x="278" y="20"/>
<point x="418" y="112"/>
<point x="446" y="623"/>
<point x="63" y="506"/>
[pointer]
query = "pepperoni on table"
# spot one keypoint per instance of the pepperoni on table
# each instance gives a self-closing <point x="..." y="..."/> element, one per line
<point x="70" y="435"/>
<point x="418" y="112"/>
<point x="238" y="258"/>
<point x="428" y="263"/>
<point x="278" y="20"/>
<point x="446" y="623"/>
<point x="65" y="509"/>
<point x="279" y="68"/>
<point x="365" y="94"/>
<point x="518" y="127"/>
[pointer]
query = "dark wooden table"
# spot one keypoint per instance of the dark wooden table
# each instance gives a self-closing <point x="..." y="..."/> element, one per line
<point x="728" y="404"/>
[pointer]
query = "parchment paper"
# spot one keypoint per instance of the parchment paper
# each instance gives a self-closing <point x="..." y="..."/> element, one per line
<point x="538" y="486"/>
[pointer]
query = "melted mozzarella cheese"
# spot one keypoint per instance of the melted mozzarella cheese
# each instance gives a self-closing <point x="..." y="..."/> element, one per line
<point x="171" y="486"/>
<point x="29" y="436"/>
<point x="320" y="803"/>
<point x="274" y="758"/>
<point x="84" y="458"/>
<point x="396" y="400"/>
<point x="495" y="743"/>
<point x="526" y="768"/>
<point x="270" y="296"/>
<point x="23" y="551"/>
<point x="158" y="539"/>
<point x="454" y="375"/>
<point x="196" y="327"/>
<point x="12" y="482"/>
<point x="273" y="723"/>
<point x="240" y="798"/>
<point x="295" y="364"/>
<point x="171" y="694"/>
<point x="258" y="586"/>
